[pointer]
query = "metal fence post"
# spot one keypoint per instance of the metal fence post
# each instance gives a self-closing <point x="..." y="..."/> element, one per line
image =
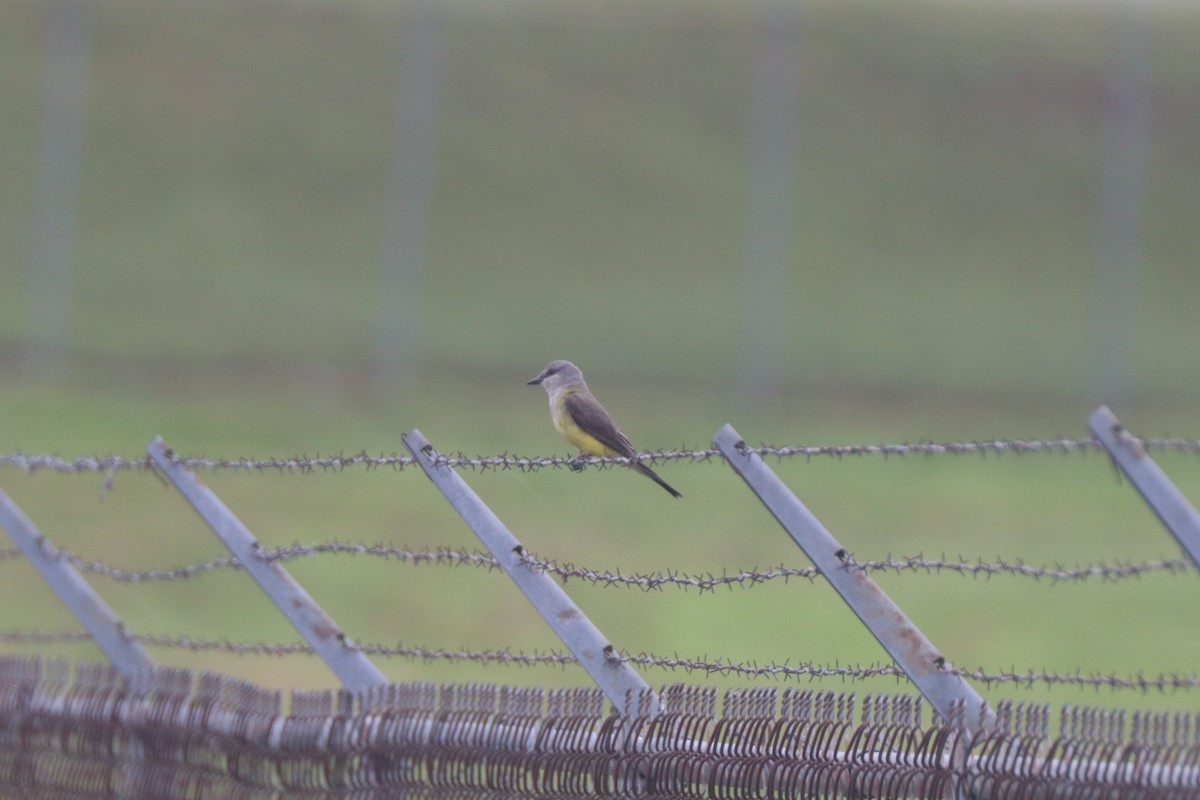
<point x="409" y="200"/>
<point x="351" y="666"/>
<point x="771" y="160"/>
<point x="59" y="179"/>
<point x="1127" y="138"/>
<point x="619" y="682"/>
<point x="1164" y="498"/>
<point x="126" y="654"/>
<point x="949" y="693"/>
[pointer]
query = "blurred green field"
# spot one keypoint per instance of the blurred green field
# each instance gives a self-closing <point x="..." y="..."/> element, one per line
<point x="590" y="205"/>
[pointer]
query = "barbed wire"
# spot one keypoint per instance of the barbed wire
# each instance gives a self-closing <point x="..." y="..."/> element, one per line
<point x="710" y="582"/>
<point x="1138" y="681"/>
<point x="338" y="462"/>
<point x="110" y="464"/>
<point x="649" y="581"/>
<point x="443" y="555"/>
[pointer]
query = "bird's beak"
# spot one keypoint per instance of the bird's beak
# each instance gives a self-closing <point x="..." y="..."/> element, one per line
<point x="538" y="379"/>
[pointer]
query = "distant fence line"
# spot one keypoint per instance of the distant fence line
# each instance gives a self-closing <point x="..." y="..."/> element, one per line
<point x="337" y="462"/>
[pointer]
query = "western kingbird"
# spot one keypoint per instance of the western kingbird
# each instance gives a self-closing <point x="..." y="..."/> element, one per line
<point x="583" y="422"/>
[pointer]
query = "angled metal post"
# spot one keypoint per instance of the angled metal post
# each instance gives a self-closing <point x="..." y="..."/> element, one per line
<point x="77" y="594"/>
<point x="351" y="666"/>
<point x="1160" y="493"/>
<point x="619" y="682"/>
<point x="950" y="694"/>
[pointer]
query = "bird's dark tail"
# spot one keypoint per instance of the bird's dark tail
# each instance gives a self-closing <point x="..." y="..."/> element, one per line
<point x="652" y="475"/>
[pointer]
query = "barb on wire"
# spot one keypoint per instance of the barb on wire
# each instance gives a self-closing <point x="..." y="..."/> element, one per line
<point x="649" y="581"/>
<point x="1139" y="681"/>
<point x="504" y="461"/>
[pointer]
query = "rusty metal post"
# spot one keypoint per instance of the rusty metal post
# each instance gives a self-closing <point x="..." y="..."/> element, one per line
<point x="1164" y="498"/>
<point x="126" y="654"/>
<point x="619" y="681"/>
<point x="949" y="693"/>
<point x="351" y="666"/>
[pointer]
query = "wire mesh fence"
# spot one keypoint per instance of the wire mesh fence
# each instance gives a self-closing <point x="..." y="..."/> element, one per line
<point x="172" y="734"/>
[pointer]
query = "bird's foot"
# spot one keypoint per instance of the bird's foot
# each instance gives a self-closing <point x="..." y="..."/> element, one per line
<point x="577" y="465"/>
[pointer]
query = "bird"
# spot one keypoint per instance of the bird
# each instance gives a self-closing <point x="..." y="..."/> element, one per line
<point x="583" y="422"/>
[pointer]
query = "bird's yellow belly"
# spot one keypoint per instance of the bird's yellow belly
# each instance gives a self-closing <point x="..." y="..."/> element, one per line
<point x="576" y="435"/>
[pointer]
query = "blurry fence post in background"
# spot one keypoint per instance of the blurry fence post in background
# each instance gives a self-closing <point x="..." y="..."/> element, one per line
<point x="59" y="171"/>
<point x="627" y="691"/>
<point x="949" y="693"/>
<point x="770" y="196"/>
<point x="351" y="666"/>
<point x="1173" y="509"/>
<point x="102" y="624"/>
<point x="409" y="193"/>
<point x="1126" y="119"/>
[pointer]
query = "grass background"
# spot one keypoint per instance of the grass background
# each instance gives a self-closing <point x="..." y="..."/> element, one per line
<point x="590" y="204"/>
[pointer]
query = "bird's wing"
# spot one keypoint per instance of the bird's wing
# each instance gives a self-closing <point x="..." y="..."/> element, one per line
<point x="595" y="421"/>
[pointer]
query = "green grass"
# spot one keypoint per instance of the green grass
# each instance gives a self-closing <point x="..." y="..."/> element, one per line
<point x="590" y="204"/>
<point x="948" y="170"/>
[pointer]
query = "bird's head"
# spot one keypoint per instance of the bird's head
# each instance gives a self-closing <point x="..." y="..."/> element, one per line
<point x="557" y="374"/>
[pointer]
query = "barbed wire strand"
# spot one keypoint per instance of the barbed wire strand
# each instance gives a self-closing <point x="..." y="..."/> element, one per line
<point x="338" y="462"/>
<point x="1138" y="681"/>
<point x="650" y="581"/>
<point x="443" y="555"/>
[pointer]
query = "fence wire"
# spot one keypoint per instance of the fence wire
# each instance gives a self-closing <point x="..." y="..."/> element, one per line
<point x="339" y="462"/>
<point x="649" y="581"/>
<point x="1143" y="682"/>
